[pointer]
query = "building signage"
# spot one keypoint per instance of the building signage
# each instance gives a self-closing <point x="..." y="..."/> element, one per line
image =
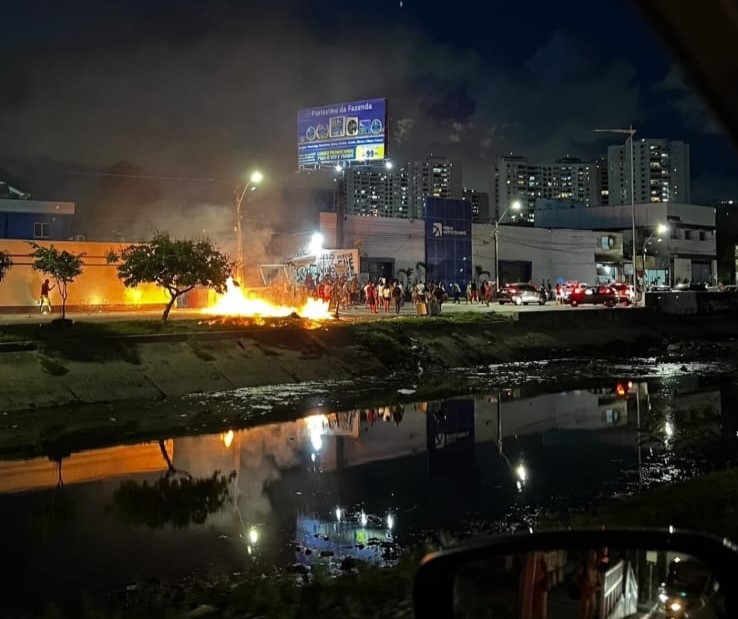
<point x="342" y="132"/>
<point x="444" y="229"/>
<point x="448" y="251"/>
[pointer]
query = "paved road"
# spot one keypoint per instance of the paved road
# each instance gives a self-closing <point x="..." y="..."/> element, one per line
<point x="360" y="313"/>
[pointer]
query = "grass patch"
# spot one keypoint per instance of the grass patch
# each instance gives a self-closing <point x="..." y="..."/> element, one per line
<point x="24" y="332"/>
<point x="51" y="366"/>
<point x="384" y="346"/>
<point x="199" y="351"/>
<point x="708" y="503"/>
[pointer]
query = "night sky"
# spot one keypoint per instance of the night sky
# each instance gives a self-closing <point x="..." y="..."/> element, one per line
<point x="212" y="88"/>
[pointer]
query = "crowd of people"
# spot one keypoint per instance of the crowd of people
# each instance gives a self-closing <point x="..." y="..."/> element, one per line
<point x="383" y="295"/>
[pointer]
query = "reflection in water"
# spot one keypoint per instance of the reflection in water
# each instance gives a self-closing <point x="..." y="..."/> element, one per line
<point x="175" y="501"/>
<point x="355" y="483"/>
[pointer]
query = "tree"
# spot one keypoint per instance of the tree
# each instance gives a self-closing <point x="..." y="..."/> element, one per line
<point x="177" y="265"/>
<point x="62" y="266"/>
<point x="176" y="499"/>
<point x="5" y="264"/>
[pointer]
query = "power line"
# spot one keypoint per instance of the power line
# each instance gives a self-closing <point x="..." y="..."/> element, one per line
<point x="200" y="179"/>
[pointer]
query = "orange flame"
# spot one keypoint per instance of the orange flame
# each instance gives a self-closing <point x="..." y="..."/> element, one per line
<point x="234" y="302"/>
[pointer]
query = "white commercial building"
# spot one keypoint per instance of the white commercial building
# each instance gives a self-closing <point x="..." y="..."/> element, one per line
<point x="395" y="248"/>
<point x="661" y="170"/>
<point x="536" y="253"/>
<point x="388" y="247"/>
<point x="687" y="252"/>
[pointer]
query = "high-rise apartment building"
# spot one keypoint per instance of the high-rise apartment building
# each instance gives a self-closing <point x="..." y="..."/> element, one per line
<point x="433" y="177"/>
<point x="378" y="191"/>
<point x="661" y="172"/>
<point x="518" y="180"/>
<point x="602" y="180"/>
<point x="479" y="201"/>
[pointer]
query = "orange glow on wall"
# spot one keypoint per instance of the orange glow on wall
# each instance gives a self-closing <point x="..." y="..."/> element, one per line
<point x="98" y="285"/>
<point x="84" y="466"/>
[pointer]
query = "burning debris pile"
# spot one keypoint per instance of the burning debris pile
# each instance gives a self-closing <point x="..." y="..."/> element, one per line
<point x="237" y="302"/>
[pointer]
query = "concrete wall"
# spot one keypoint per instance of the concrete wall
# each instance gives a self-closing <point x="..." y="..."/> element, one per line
<point x="401" y="240"/>
<point x="682" y="269"/>
<point x="567" y="254"/>
<point x="97" y="286"/>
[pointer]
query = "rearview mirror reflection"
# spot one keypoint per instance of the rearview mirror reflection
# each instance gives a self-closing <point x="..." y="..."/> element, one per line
<point x="587" y="583"/>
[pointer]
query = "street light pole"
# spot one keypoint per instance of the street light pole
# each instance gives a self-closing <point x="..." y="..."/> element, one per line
<point x="630" y="131"/>
<point x="255" y="178"/>
<point x="515" y="206"/>
<point x="660" y="229"/>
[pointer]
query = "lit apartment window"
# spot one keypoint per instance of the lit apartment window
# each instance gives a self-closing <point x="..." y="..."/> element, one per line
<point x="41" y="230"/>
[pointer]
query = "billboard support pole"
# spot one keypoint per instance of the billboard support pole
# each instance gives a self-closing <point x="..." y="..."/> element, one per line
<point x="341" y="209"/>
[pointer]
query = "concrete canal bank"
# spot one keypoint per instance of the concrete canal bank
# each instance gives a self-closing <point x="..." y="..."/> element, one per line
<point x="64" y="370"/>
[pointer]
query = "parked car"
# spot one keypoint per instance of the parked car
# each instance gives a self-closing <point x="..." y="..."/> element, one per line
<point x="689" y="590"/>
<point x="593" y="295"/>
<point x="521" y="294"/>
<point x="625" y="293"/>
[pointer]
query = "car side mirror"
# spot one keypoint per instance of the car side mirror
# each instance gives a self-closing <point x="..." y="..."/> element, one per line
<point x="601" y="573"/>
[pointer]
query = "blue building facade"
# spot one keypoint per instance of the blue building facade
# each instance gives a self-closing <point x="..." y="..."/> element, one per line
<point x="36" y="220"/>
<point x="448" y="241"/>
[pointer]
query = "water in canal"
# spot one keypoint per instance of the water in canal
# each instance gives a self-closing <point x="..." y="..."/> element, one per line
<point x="351" y="483"/>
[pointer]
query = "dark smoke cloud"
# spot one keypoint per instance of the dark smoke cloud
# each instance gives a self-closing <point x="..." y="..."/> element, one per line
<point x="213" y="90"/>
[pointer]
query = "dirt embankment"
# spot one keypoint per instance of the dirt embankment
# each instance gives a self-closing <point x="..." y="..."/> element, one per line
<point x="68" y="370"/>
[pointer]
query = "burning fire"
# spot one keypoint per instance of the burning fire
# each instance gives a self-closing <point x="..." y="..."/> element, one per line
<point x="234" y="302"/>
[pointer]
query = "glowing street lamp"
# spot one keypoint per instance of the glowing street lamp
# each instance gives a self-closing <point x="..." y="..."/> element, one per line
<point x="315" y="246"/>
<point x="254" y="179"/>
<point x="515" y="206"/>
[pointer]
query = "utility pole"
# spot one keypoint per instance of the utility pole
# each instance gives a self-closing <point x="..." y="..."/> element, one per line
<point x="255" y="178"/>
<point x="630" y="131"/>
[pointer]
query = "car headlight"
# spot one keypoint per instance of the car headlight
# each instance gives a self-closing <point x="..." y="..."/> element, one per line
<point x="675" y="607"/>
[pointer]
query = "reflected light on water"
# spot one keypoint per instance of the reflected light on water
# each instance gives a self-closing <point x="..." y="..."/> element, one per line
<point x="227" y="438"/>
<point x="253" y="535"/>
<point x="315" y="425"/>
<point x="522" y="473"/>
<point x="668" y="430"/>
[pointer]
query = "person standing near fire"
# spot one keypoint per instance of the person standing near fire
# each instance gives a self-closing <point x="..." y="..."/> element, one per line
<point x="45" y="303"/>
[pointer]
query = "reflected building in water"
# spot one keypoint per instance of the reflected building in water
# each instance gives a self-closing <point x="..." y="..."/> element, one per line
<point x="348" y="483"/>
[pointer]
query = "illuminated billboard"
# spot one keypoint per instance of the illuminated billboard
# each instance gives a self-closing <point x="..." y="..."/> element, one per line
<point x="342" y="132"/>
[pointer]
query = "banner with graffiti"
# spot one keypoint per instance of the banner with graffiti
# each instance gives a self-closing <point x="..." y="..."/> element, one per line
<point x="331" y="263"/>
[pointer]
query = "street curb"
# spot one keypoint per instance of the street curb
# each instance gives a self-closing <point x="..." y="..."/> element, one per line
<point x="6" y="347"/>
